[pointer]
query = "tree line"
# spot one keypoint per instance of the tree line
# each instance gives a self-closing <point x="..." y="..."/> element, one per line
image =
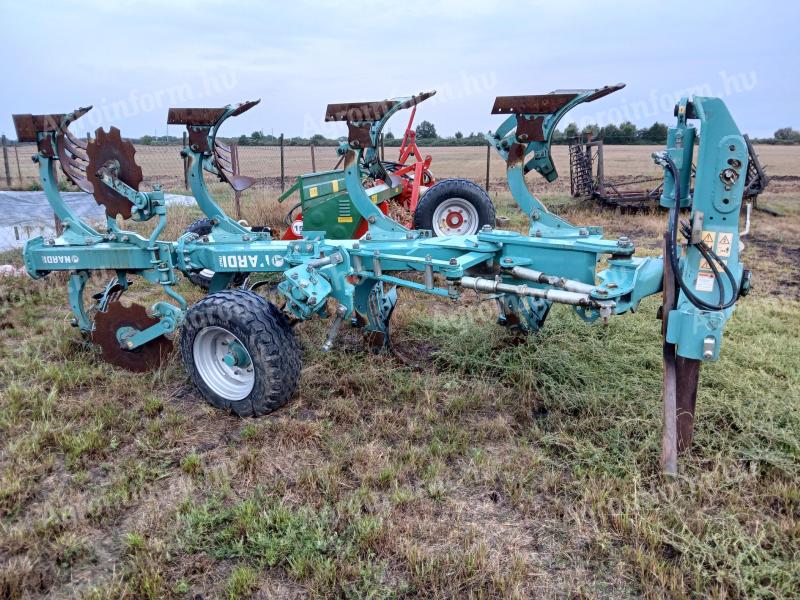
<point x="624" y="133"/>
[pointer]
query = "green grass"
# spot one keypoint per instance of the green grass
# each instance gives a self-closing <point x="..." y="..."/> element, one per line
<point x="491" y="469"/>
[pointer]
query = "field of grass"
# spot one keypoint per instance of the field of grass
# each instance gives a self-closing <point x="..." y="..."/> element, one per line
<point x="475" y="467"/>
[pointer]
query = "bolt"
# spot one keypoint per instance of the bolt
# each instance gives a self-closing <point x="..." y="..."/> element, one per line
<point x="356" y="245"/>
<point x="129" y="344"/>
<point x="372" y="219"/>
<point x="508" y="260"/>
<point x="453" y="261"/>
<point x="237" y="372"/>
<point x="309" y="247"/>
<point x="368" y="236"/>
<point x="312" y="300"/>
<point x="294" y="276"/>
<point x="486" y="227"/>
<point x="583" y="231"/>
<point x="245" y="238"/>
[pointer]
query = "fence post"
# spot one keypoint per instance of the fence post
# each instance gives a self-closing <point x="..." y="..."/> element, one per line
<point x="237" y="206"/>
<point x="5" y="161"/>
<point x="19" y="170"/>
<point x="383" y="150"/>
<point x="283" y="187"/>
<point x="313" y="160"/>
<point x="185" y="166"/>
<point x="488" y="161"/>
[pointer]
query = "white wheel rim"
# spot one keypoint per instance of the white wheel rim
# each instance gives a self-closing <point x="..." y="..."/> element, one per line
<point x="212" y="351"/>
<point x="455" y="216"/>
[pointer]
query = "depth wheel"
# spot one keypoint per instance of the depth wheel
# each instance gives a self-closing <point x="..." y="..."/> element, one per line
<point x="454" y="207"/>
<point x="241" y="353"/>
<point x="202" y="278"/>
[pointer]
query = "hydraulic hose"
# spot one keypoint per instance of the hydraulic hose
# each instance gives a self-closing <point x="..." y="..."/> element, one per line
<point x="707" y="253"/>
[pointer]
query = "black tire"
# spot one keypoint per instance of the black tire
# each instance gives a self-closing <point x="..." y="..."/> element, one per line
<point x="202" y="279"/>
<point x="448" y="189"/>
<point x="266" y="335"/>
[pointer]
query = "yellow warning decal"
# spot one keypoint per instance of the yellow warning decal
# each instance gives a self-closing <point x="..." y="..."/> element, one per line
<point x="706" y="266"/>
<point x="374" y="198"/>
<point x="345" y="219"/>
<point x="724" y="244"/>
<point x="335" y="185"/>
<point x="709" y="238"/>
<point x="312" y="192"/>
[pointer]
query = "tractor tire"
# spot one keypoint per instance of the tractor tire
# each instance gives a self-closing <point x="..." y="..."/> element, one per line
<point x="202" y="279"/>
<point x="241" y="353"/>
<point x="454" y="207"/>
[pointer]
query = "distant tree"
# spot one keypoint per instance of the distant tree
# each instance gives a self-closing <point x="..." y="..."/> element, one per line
<point x="627" y="131"/>
<point x="388" y="136"/>
<point x="426" y="130"/>
<point x="592" y="130"/>
<point x="256" y="135"/>
<point x="655" y="134"/>
<point x="317" y="139"/>
<point x="787" y="134"/>
<point x="558" y="135"/>
<point x="146" y="140"/>
<point x="571" y="130"/>
<point x="610" y="134"/>
<point x="243" y="140"/>
<point x="459" y="135"/>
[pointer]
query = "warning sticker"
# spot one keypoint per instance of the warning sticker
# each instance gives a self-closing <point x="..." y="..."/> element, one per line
<point x="708" y="238"/>
<point x="724" y="244"/>
<point x="705" y="282"/>
<point x="706" y="266"/>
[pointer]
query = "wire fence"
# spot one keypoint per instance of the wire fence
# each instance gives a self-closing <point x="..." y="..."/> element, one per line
<point x="274" y="168"/>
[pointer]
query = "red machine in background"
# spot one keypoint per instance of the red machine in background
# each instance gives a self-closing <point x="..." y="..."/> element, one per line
<point x="408" y="192"/>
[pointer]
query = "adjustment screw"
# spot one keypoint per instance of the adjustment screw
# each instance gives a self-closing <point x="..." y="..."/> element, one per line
<point x="453" y="261"/>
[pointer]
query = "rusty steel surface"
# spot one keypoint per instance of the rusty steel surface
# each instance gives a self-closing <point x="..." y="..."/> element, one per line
<point x="28" y="126"/>
<point x="530" y="130"/>
<point x="370" y="111"/>
<point x="106" y="147"/>
<point x="414" y="100"/>
<point x="73" y="161"/>
<point x="358" y="111"/>
<point x="541" y="104"/>
<point x="194" y="116"/>
<point x="358" y="135"/>
<point x="605" y="91"/>
<point x="687" y="372"/>
<point x="145" y="358"/>
<point x="244" y="107"/>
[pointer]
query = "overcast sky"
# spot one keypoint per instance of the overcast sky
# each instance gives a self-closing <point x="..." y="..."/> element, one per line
<point x="134" y="59"/>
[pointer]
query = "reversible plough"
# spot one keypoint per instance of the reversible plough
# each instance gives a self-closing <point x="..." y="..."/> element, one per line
<point x="239" y="349"/>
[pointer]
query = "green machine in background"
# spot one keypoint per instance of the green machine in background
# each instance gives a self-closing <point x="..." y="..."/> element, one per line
<point x="239" y="348"/>
<point x="405" y="187"/>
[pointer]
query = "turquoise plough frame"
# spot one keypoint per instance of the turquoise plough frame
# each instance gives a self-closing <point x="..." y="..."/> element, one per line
<point x="555" y="262"/>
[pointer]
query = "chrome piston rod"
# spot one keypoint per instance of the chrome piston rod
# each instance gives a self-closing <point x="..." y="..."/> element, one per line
<point x="490" y="286"/>
<point x="559" y="282"/>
